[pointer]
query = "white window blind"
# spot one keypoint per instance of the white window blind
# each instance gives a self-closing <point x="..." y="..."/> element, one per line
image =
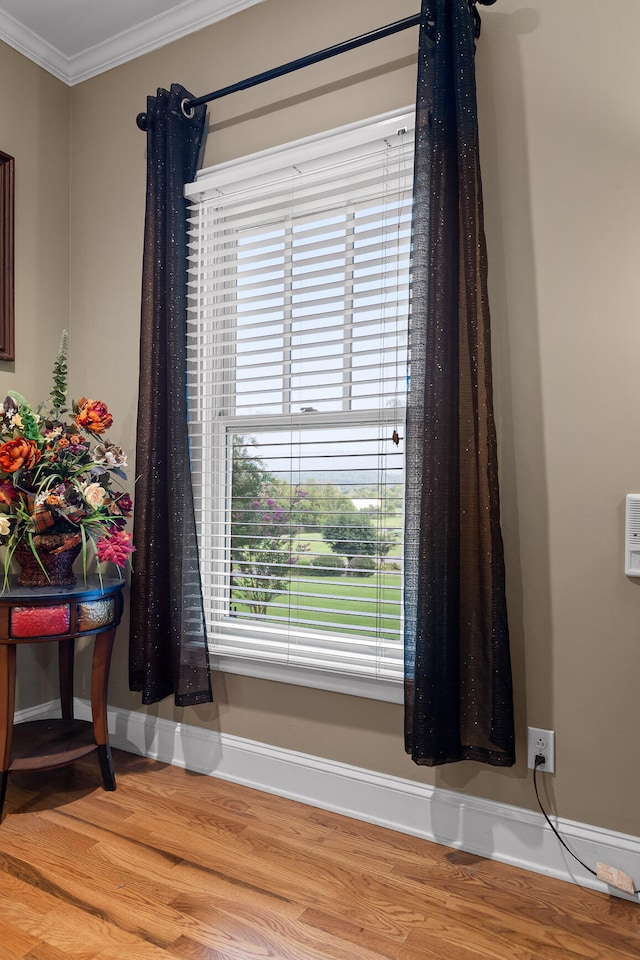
<point x="297" y="346"/>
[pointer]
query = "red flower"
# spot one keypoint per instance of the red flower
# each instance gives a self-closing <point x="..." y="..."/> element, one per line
<point x="18" y="453"/>
<point x="93" y="416"/>
<point x="122" y="505"/>
<point x="7" y="492"/>
<point x="116" y="547"/>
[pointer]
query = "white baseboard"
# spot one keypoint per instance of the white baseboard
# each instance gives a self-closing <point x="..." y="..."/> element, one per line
<point x="495" y="830"/>
<point x="42" y="711"/>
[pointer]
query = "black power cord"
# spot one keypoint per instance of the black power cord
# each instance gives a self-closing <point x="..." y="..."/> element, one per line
<point x="538" y="762"/>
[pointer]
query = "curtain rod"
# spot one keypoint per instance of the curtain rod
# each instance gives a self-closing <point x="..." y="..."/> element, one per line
<point x="344" y="47"/>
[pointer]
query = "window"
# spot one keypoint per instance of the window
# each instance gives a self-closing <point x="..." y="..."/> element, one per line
<point x="299" y="298"/>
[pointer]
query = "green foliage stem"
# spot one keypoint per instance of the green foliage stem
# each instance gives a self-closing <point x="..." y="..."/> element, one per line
<point x="59" y="391"/>
<point x="29" y="423"/>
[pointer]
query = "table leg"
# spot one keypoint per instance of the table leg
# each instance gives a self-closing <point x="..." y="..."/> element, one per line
<point x="102" y="648"/>
<point x="7" y="707"/>
<point x="65" y="671"/>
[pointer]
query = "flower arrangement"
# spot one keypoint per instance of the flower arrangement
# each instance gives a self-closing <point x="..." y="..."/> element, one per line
<point x="61" y="480"/>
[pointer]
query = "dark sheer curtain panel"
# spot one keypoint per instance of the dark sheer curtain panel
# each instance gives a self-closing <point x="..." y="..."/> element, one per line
<point x="458" y="686"/>
<point x="168" y="647"/>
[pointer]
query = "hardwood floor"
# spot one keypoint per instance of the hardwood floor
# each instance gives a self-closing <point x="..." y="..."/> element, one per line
<point x="177" y="866"/>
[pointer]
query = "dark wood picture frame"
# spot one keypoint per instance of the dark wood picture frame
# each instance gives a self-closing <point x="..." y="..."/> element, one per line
<point x="7" y="200"/>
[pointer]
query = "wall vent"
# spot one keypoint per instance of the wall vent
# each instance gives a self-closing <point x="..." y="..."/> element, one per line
<point x="632" y="536"/>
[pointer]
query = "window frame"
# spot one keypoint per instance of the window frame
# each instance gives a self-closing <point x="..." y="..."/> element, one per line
<point x="252" y="171"/>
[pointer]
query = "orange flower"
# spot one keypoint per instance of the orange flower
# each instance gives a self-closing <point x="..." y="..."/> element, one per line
<point x="93" y="416"/>
<point x="63" y="442"/>
<point x="18" y="453"/>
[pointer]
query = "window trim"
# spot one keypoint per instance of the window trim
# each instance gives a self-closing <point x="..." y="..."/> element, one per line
<point x="355" y="685"/>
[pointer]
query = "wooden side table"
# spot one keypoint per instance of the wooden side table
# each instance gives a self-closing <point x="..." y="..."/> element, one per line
<point x="57" y="615"/>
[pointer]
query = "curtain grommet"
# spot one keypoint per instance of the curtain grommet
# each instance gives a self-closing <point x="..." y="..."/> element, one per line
<point x="187" y="111"/>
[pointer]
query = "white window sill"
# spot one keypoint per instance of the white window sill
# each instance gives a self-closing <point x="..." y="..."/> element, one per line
<point x="354" y="685"/>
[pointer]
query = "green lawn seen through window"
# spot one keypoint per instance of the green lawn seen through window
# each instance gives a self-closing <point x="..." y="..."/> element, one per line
<point x="345" y="602"/>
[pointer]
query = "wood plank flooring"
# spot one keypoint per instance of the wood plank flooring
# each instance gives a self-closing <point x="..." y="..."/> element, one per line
<point x="177" y="866"/>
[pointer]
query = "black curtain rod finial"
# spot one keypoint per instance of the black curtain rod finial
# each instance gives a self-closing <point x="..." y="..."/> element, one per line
<point x="473" y="7"/>
<point x="141" y="122"/>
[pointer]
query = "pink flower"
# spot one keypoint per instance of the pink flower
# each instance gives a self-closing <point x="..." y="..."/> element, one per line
<point x="115" y="547"/>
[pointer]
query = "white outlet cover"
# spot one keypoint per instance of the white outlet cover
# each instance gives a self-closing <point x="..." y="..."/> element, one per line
<point x="533" y="733"/>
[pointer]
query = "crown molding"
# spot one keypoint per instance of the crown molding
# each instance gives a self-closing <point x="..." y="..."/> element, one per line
<point x="33" y="47"/>
<point x="156" y="32"/>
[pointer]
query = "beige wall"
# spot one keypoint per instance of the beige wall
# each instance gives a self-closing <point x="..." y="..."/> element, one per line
<point x="560" y="139"/>
<point x="34" y="129"/>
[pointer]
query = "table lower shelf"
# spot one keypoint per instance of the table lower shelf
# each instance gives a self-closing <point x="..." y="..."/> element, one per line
<point x="44" y="744"/>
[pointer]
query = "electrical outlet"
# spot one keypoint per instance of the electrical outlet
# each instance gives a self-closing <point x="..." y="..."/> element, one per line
<point x="541" y="743"/>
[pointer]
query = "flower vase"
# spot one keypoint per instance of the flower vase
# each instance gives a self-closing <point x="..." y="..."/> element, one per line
<point x="56" y="553"/>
